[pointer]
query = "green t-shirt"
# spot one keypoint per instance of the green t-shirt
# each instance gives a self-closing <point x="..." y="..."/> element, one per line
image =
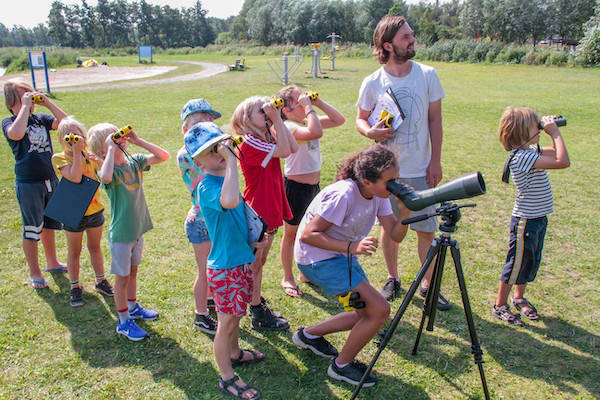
<point x="130" y="217"/>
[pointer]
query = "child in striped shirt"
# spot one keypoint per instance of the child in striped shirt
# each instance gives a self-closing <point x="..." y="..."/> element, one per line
<point x="519" y="134"/>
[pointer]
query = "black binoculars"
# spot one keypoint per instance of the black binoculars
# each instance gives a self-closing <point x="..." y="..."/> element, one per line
<point x="559" y="121"/>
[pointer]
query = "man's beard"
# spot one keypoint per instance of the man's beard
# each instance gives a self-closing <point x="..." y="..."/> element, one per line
<point x="402" y="56"/>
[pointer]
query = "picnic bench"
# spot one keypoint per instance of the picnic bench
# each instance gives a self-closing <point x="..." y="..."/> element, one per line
<point x="238" y="65"/>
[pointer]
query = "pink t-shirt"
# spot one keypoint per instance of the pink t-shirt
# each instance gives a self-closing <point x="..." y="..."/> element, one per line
<point x="265" y="191"/>
<point x="352" y="217"/>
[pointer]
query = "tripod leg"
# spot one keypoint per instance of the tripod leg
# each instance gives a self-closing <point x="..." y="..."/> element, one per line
<point x="475" y="348"/>
<point x="433" y="250"/>
<point x="436" y="284"/>
<point x="431" y="298"/>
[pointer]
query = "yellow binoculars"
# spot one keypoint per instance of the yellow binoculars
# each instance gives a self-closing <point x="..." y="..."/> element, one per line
<point x="387" y="118"/>
<point x="126" y="130"/>
<point x="277" y="102"/>
<point x="238" y="140"/>
<point x="351" y="302"/>
<point x="313" y="95"/>
<point x="37" y="99"/>
<point x="72" y="138"/>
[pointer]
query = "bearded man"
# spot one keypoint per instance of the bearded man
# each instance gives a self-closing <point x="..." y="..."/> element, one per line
<point x="417" y="142"/>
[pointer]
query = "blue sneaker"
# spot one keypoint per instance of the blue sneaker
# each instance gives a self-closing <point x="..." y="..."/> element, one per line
<point x="131" y="330"/>
<point x="139" y="312"/>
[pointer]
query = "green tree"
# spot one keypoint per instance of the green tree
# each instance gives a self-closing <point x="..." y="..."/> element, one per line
<point x="588" y="51"/>
<point x="57" y="27"/>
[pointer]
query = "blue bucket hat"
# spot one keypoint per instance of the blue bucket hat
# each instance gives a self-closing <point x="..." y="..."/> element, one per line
<point x="202" y="137"/>
<point x="198" y="105"/>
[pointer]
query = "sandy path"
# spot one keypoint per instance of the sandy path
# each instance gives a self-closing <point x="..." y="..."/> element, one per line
<point x="98" y="77"/>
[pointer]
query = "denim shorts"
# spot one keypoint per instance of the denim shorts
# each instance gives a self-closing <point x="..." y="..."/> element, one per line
<point x="33" y="198"/>
<point x="88" y="221"/>
<point x="124" y="255"/>
<point x="428" y="225"/>
<point x="195" y="229"/>
<point x="331" y="275"/>
<point x="525" y="250"/>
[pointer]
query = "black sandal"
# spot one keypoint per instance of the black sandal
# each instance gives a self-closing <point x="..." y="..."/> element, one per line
<point x="240" y="390"/>
<point x="240" y="361"/>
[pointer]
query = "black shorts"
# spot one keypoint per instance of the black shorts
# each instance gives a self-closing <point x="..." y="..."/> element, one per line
<point x="525" y="250"/>
<point x="88" y="221"/>
<point x="299" y="196"/>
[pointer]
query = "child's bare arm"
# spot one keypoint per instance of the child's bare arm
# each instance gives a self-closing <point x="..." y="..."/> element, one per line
<point x="230" y="193"/>
<point x="17" y="130"/>
<point x="333" y="117"/>
<point x="105" y="173"/>
<point x="557" y="156"/>
<point x="314" y="234"/>
<point x="313" y="129"/>
<point x="393" y="226"/>
<point x="74" y="171"/>
<point x="158" y="153"/>
<point x="58" y="113"/>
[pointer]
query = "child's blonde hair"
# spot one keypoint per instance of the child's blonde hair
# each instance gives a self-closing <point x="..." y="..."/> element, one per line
<point x="515" y="125"/>
<point x="240" y="120"/>
<point x="193" y="119"/>
<point x="97" y="137"/>
<point x="71" y="125"/>
<point x="11" y="94"/>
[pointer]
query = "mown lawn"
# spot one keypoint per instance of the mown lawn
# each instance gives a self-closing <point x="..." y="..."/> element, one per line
<point x="49" y="350"/>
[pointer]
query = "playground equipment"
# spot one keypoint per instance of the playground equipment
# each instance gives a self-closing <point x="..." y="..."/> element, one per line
<point x="281" y="66"/>
<point x="315" y="68"/>
<point x="37" y="60"/>
<point x="333" y="36"/>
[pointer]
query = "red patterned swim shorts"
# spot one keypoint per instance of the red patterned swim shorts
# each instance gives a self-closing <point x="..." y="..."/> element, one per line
<point x="231" y="289"/>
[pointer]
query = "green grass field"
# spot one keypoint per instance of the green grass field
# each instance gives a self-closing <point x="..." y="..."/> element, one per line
<point x="49" y="350"/>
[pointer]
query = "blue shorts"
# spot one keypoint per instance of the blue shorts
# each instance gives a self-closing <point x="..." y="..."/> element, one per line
<point x="33" y="198"/>
<point x="195" y="229"/>
<point x="525" y="250"/>
<point x="331" y="275"/>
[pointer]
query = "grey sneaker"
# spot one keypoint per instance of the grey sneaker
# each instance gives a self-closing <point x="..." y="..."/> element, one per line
<point x="351" y="373"/>
<point x="263" y="319"/>
<point x="391" y="289"/>
<point x="319" y="346"/>
<point x="76" y="297"/>
<point x="205" y="324"/>
<point x="442" y="303"/>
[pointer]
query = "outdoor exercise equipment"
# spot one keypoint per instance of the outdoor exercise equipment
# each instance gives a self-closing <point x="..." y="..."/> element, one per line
<point x="286" y="66"/>
<point x="333" y="36"/>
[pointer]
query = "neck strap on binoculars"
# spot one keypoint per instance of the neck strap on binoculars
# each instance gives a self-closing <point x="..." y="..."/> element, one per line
<point x="506" y="171"/>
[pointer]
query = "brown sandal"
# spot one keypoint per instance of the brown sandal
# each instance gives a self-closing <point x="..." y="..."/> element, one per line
<point x="240" y="390"/>
<point x="256" y="357"/>
<point x="530" y="311"/>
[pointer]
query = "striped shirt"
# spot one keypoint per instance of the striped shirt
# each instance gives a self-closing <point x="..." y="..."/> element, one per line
<point x="534" y="194"/>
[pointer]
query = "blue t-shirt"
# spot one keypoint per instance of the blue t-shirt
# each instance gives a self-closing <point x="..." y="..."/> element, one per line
<point x="33" y="153"/>
<point x="228" y="226"/>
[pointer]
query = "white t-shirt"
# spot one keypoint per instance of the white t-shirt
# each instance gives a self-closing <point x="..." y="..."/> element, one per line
<point x="308" y="157"/>
<point x="415" y="91"/>
<point x="352" y="217"/>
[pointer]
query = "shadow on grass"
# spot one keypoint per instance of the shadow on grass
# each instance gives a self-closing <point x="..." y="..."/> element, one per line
<point x="294" y="373"/>
<point x="516" y="349"/>
<point x="94" y="339"/>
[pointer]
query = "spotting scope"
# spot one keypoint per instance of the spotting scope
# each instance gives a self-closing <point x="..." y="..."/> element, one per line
<point x="461" y="188"/>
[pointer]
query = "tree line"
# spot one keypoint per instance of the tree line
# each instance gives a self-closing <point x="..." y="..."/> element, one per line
<point x="123" y="23"/>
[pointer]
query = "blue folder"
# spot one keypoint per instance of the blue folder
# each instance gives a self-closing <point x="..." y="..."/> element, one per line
<point x="70" y="200"/>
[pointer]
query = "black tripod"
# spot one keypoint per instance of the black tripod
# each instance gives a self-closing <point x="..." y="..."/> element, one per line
<point x="450" y="214"/>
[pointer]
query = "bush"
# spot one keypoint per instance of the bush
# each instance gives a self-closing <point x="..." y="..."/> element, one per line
<point x="588" y="51"/>
<point x="511" y="55"/>
<point x="463" y="49"/>
<point x="558" y="58"/>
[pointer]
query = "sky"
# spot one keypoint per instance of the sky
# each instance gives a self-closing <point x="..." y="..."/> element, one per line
<point x="29" y="13"/>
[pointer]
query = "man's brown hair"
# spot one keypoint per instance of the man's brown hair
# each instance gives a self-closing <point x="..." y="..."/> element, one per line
<point x="385" y="31"/>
